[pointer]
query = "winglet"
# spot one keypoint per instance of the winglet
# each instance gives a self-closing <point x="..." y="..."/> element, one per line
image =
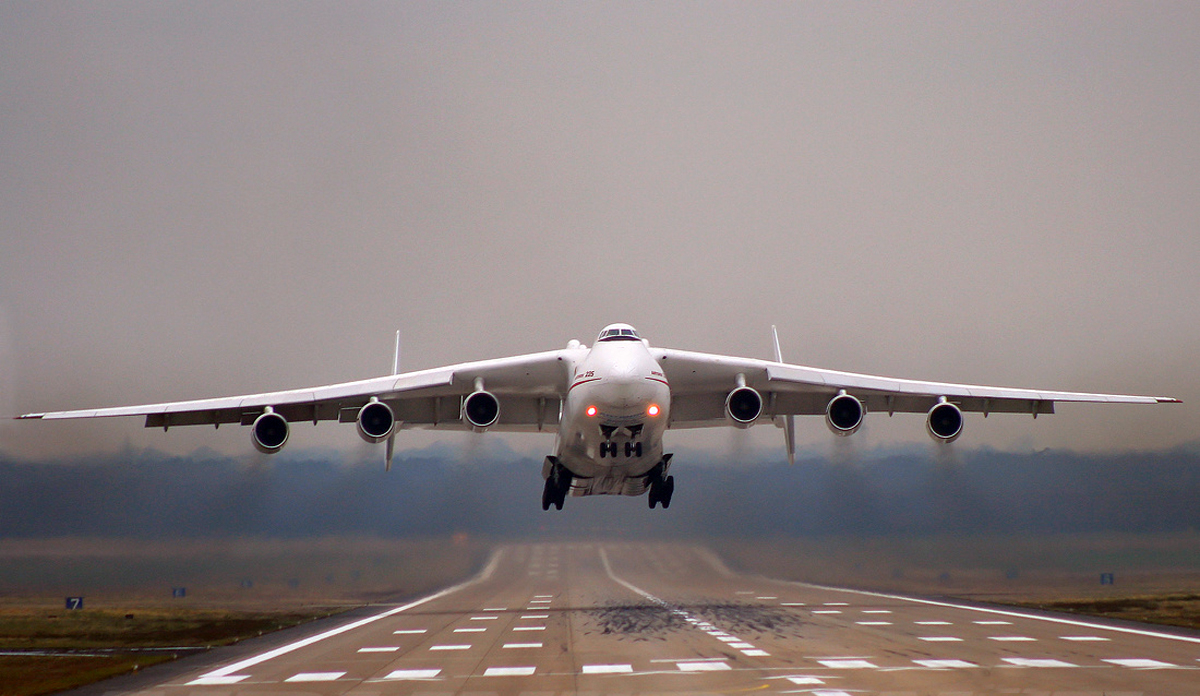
<point x="778" y="352"/>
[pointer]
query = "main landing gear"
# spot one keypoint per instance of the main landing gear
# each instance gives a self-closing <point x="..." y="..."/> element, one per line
<point x="662" y="487"/>
<point x="558" y="484"/>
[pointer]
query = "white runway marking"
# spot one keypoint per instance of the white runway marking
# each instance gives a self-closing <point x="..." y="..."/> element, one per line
<point x="315" y="677"/>
<point x="741" y="646"/>
<point x="496" y="609"/>
<point x="607" y="669"/>
<point x="792" y="604"/>
<point x="837" y="604"/>
<point x="805" y="681"/>
<point x="933" y="623"/>
<point x="1031" y="662"/>
<point x="529" y="628"/>
<point x="940" y="639"/>
<point x="469" y="630"/>
<point x="1081" y="639"/>
<point x="876" y="611"/>
<point x="380" y="649"/>
<point x="873" y="623"/>
<point x="534" y="616"/>
<point x="1012" y="639"/>
<point x="283" y="650"/>
<point x="449" y="647"/>
<point x="993" y="623"/>
<point x="945" y="664"/>
<point x="702" y="666"/>
<point x="766" y="598"/>
<point x="509" y="671"/>
<point x="413" y="674"/>
<point x="408" y="631"/>
<point x="543" y="596"/>
<point x="1005" y="612"/>
<point x="519" y="646"/>
<point x="484" y="618"/>
<point x="220" y="680"/>
<point x="848" y="664"/>
<point x="756" y="653"/>
<point x="1141" y="663"/>
<point x="827" y="611"/>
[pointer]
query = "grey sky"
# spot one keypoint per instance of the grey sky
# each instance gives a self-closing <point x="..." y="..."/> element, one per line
<point x="200" y="199"/>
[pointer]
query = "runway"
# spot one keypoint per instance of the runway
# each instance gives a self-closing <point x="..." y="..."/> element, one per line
<point x="650" y="618"/>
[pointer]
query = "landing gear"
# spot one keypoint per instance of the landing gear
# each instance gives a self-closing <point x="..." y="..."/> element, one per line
<point x="558" y="484"/>
<point x="662" y="487"/>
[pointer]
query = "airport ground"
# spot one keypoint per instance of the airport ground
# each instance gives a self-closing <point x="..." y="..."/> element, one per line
<point x="629" y="608"/>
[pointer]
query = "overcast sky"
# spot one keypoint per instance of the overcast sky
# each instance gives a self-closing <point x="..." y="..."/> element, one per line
<point x="203" y="199"/>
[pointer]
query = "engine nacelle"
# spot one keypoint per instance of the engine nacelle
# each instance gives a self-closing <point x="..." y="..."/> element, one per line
<point x="376" y="422"/>
<point x="743" y="406"/>
<point x="481" y="410"/>
<point x="844" y="414"/>
<point x="269" y="432"/>
<point x="945" y="422"/>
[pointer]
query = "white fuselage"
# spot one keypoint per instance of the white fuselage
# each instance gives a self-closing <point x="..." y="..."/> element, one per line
<point x="617" y="407"/>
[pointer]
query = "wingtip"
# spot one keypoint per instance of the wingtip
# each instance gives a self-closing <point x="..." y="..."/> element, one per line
<point x="1168" y="400"/>
<point x="29" y="416"/>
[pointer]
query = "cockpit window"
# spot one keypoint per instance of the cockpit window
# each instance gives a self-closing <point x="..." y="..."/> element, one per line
<point x="618" y="334"/>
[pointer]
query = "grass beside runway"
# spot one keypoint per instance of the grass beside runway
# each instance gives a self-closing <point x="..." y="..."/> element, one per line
<point x="232" y="590"/>
<point x="50" y="650"/>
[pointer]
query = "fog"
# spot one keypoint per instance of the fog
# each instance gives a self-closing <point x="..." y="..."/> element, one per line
<point x="496" y="495"/>
<point x="203" y="199"/>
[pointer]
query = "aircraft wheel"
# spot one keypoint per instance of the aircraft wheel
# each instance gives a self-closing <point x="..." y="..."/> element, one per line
<point x="668" y="491"/>
<point x="548" y="495"/>
<point x="652" y="495"/>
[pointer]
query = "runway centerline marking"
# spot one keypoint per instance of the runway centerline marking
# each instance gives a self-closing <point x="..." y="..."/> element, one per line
<point x="291" y="647"/>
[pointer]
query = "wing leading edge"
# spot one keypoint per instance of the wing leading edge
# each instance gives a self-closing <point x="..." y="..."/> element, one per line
<point x="700" y="383"/>
<point x="530" y="386"/>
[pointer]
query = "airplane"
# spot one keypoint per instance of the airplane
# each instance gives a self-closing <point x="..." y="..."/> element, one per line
<point x="609" y="404"/>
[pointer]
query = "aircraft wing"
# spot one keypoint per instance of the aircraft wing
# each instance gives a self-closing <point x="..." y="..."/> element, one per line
<point x="529" y="388"/>
<point x="700" y="383"/>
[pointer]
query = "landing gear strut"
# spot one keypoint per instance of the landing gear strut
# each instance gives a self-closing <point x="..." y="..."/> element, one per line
<point x="558" y="484"/>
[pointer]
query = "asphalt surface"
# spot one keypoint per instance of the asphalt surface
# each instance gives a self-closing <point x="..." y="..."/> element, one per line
<point x="648" y="618"/>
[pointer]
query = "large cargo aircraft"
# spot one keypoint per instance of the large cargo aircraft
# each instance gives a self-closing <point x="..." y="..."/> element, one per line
<point x="609" y="405"/>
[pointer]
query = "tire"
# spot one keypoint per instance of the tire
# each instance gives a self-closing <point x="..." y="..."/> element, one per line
<point x="548" y="495"/>
<point x="669" y="490"/>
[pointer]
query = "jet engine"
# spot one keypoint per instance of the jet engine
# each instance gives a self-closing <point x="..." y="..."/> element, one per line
<point x="743" y="406"/>
<point x="269" y="432"/>
<point x="375" y="421"/>
<point x="844" y="414"/>
<point x="481" y="410"/>
<point x="945" y="422"/>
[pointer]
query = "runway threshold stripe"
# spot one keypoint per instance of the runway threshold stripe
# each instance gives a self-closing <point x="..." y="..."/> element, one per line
<point x="315" y="677"/>
<point x="608" y="669"/>
<point x="509" y="671"/>
<point x="290" y="647"/>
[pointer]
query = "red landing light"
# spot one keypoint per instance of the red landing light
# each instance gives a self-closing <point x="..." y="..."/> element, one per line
<point x="591" y="410"/>
<point x="653" y="410"/>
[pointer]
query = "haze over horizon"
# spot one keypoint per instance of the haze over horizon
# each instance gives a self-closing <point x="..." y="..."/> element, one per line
<point x="207" y="199"/>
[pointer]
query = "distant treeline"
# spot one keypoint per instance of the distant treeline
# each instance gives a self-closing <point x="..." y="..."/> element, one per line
<point x="438" y="491"/>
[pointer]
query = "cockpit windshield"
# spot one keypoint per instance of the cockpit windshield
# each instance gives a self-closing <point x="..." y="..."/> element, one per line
<point x="618" y="332"/>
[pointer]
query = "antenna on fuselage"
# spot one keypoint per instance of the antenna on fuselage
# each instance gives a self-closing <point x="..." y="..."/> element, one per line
<point x="789" y="421"/>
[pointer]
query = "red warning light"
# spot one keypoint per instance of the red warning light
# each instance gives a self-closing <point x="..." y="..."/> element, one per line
<point x="591" y="410"/>
<point x="653" y="410"/>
